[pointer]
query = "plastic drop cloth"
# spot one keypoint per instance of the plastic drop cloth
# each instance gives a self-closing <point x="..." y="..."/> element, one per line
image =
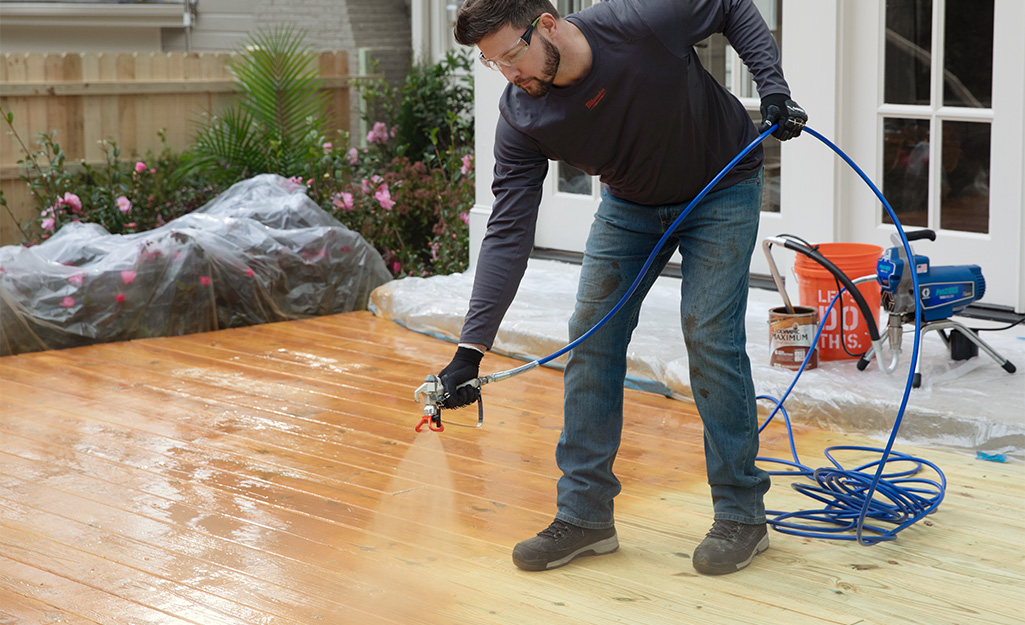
<point x="972" y="404"/>
<point x="261" y="251"/>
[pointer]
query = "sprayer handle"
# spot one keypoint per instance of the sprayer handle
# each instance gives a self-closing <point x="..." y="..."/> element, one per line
<point x="921" y="234"/>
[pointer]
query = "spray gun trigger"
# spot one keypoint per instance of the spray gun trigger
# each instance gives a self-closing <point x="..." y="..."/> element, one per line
<point x="431" y="395"/>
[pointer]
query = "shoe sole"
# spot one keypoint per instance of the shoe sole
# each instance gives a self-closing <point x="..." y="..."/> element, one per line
<point x="724" y="569"/>
<point x="594" y="549"/>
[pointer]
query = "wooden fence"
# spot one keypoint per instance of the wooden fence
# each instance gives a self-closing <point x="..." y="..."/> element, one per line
<point x="87" y="98"/>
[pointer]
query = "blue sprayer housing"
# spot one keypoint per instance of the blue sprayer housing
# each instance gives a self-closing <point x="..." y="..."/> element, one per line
<point x="944" y="291"/>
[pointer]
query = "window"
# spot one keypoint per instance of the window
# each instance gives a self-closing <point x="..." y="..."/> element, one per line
<point x="719" y="58"/>
<point x="570" y="179"/>
<point x="937" y="112"/>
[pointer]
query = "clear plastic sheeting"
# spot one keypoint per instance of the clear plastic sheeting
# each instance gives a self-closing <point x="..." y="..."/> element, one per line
<point x="261" y="251"/>
<point x="972" y="404"/>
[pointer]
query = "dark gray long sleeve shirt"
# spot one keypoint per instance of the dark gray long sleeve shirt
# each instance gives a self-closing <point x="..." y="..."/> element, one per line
<point x="647" y="119"/>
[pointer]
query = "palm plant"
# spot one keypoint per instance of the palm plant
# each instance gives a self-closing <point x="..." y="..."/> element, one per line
<point x="275" y="124"/>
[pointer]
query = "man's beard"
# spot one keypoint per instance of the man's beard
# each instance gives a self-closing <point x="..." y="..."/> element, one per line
<point x="539" y="87"/>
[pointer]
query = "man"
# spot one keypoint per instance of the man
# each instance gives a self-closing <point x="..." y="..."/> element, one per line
<point x="617" y="91"/>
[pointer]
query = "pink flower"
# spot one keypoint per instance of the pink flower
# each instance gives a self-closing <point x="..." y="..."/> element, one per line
<point x="343" y="201"/>
<point x="72" y="200"/>
<point x="353" y="155"/>
<point x="467" y="167"/>
<point x="128" y="276"/>
<point x="378" y="134"/>
<point x="383" y="197"/>
<point x="76" y="279"/>
<point x="119" y="298"/>
<point x="124" y="204"/>
<point x="327" y="147"/>
<point x="140" y="167"/>
<point x="204" y="280"/>
<point x="68" y="302"/>
<point x="49" y="224"/>
<point x="465" y="218"/>
<point x="395" y="266"/>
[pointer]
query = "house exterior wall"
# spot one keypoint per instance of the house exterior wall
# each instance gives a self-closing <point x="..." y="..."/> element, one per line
<point x="85" y="27"/>
<point x="380" y="28"/>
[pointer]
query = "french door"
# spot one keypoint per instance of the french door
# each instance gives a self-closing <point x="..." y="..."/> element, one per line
<point x="937" y="91"/>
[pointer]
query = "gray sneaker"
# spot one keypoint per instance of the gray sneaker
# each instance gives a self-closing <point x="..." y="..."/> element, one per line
<point x="559" y="543"/>
<point x="729" y="547"/>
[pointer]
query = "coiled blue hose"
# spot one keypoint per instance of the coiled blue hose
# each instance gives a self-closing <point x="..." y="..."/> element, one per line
<point x="850" y="496"/>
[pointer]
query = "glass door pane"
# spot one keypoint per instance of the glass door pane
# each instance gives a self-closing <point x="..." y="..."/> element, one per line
<point x="571" y="6"/>
<point x="906" y="170"/>
<point x="968" y="54"/>
<point x="908" y="51"/>
<point x="572" y="180"/>
<point x="964" y="193"/>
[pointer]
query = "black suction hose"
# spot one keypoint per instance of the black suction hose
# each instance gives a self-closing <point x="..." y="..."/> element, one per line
<point x="859" y="299"/>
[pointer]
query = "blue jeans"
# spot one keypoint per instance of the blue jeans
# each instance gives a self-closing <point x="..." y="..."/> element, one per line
<point x="716" y="241"/>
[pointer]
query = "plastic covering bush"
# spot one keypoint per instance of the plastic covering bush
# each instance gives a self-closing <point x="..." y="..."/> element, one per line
<point x="261" y="251"/>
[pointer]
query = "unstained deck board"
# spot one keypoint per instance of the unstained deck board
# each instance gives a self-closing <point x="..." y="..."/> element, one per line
<point x="271" y="474"/>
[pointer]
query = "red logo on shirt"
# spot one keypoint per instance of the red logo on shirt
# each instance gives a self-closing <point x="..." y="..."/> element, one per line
<point x="593" y="102"/>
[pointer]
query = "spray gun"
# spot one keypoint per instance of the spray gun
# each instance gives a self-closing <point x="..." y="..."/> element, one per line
<point x="432" y="395"/>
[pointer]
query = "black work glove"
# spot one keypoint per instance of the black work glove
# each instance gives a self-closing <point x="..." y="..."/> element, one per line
<point x="465" y="366"/>
<point x="780" y="109"/>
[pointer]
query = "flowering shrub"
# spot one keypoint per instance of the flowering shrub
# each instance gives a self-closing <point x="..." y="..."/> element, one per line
<point x="415" y="215"/>
<point x="121" y="196"/>
<point x="409" y="200"/>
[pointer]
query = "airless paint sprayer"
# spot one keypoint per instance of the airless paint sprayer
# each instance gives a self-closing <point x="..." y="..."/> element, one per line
<point x="942" y="293"/>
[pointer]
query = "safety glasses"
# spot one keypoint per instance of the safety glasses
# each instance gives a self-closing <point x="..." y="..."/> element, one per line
<point x="513" y="55"/>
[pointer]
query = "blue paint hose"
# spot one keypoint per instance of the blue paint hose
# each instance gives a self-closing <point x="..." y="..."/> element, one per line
<point x="853" y="500"/>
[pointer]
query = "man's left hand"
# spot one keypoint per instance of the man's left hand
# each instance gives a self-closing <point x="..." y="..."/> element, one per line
<point x="778" y="108"/>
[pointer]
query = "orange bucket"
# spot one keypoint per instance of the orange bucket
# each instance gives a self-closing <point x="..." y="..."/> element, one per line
<point x="817" y="287"/>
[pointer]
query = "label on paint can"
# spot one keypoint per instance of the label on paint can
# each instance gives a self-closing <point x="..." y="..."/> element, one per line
<point x="791" y="336"/>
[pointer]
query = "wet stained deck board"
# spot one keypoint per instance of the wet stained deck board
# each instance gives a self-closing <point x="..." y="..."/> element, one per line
<point x="272" y="475"/>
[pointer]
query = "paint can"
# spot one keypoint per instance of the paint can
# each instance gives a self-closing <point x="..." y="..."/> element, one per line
<point x="791" y="335"/>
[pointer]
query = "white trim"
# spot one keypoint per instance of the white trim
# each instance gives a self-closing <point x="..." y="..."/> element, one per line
<point x="170" y="15"/>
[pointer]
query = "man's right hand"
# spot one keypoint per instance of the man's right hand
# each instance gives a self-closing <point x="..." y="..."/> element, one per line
<point x="464" y="367"/>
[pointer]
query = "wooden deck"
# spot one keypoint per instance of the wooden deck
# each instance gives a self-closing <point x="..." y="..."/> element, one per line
<point x="271" y="475"/>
